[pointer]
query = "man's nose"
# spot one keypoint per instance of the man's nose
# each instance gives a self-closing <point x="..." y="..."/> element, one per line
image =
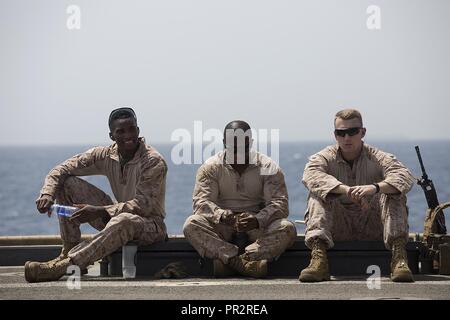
<point x="129" y="135"/>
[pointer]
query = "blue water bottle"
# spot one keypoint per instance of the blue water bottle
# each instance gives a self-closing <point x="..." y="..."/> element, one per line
<point x="64" y="211"/>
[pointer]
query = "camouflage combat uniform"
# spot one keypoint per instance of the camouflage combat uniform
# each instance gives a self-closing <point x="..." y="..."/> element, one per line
<point x="335" y="217"/>
<point x="139" y="189"/>
<point x="220" y="191"/>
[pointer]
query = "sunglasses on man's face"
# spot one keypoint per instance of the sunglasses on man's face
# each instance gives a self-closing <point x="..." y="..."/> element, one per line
<point x="350" y="131"/>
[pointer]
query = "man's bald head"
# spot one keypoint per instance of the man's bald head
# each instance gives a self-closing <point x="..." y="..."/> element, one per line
<point x="236" y="124"/>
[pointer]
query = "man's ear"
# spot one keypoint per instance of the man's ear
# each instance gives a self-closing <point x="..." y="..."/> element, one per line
<point x="363" y="133"/>
<point x="112" y="137"/>
<point x="138" y="130"/>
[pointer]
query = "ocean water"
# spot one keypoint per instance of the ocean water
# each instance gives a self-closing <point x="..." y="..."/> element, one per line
<point x="23" y="169"/>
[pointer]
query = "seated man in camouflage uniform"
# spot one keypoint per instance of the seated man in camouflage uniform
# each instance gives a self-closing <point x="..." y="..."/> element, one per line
<point x="240" y="190"/>
<point x="137" y="175"/>
<point x="357" y="192"/>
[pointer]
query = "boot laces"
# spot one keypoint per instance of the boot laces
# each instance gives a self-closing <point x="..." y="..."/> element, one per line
<point x="399" y="254"/>
<point x="316" y="255"/>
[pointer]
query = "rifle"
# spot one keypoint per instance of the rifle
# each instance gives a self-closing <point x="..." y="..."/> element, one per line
<point x="437" y="220"/>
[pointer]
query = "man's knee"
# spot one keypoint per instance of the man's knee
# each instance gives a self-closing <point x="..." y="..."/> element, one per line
<point x="69" y="188"/>
<point x="71" y="183"/>
<point x="75" y="187"/>
<point x="290" y="228"/>
<point x="191" y="222"/>
<point x="285" y="226"/>
<point x="125" y="220"/>
<point x="318" y="205"/>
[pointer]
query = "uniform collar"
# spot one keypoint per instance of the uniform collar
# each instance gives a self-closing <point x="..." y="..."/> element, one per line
<point x="340" y="159"/>
<point x="253" y="157"/>
<point x="114" y="153"/>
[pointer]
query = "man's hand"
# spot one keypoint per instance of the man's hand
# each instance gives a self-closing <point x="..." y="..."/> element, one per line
<point x="88" y="213"/>
<point x="358" y="194"/>
<point x="229" y="219"/>
<point x="44" y="203"/>
<point x="246" y="222"/>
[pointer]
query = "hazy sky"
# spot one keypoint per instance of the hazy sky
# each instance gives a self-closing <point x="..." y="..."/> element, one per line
<point x="278" y="64"/>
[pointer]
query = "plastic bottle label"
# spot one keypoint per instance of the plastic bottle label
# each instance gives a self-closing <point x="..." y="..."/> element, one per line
<point x="64" y="211"/>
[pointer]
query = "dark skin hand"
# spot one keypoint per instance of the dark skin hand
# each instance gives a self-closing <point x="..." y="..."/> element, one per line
<point x="87" y="213"/>
<point x="241" y="221"/>
<point x="246" y="222"/>
<point x="230" y="220"/>
<point x="44" y="203"/>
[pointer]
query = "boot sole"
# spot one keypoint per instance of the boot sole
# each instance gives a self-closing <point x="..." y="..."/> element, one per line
<point x="403" y="277"/>
<point x="307" y="277"/>
<point x="30" y="276"/>
<point x="27" y="272"/>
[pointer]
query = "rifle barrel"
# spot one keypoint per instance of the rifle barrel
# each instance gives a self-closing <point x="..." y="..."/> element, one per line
<point x="424" y="174"/>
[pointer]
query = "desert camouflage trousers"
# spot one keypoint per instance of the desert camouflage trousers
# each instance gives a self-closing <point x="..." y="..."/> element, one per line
<point x="213" y="240"/>
<point x="114" y="233"/>
<point x="386" y="219"/>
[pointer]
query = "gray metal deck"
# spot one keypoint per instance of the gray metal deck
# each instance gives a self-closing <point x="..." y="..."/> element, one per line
<point x="13" y="286"/>
<point x="346" y="258"/>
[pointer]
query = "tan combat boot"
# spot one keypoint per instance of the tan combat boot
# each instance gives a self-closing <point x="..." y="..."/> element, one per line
<point x="44" y="271"/>
<point x="399" y="264"/>
<point x="248" y="268"/>
<point x="222" y="270"/>
<point x="318" y="267"/>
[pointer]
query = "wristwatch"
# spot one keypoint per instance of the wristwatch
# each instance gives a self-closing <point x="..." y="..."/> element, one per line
<point x="376" y="186"/>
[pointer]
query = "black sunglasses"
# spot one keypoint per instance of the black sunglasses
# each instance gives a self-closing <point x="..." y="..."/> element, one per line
<point x="350" y="131"/>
